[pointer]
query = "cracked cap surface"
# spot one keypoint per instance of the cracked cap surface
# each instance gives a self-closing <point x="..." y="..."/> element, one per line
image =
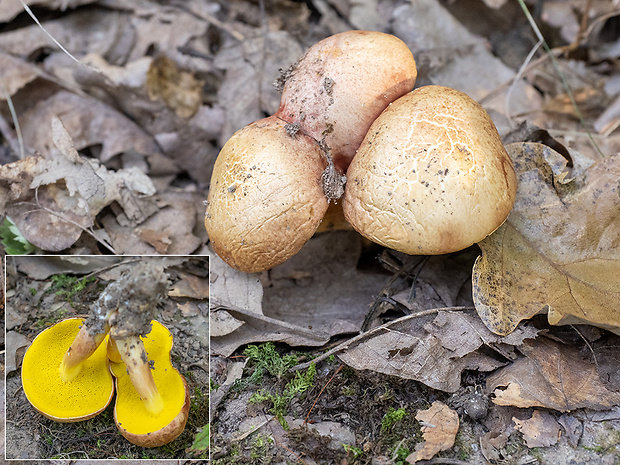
<point x="431" y="176"/>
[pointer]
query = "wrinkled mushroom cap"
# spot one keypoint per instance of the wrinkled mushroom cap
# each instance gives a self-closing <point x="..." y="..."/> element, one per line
<point x="132" y="418"/>
<point x="431" y="176"/>
<point x="84" y="397"/>
<point x="342" y="83"/>
<point x="266" y="197"/>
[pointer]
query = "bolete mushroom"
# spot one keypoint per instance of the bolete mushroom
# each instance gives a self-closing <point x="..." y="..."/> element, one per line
<point x="87" y="394"/>
<point x="136" y="422"/>
<point x="66" y="374"/>
<point x="341" y="84"/>
<point x="266" y="198"/>
<point x="431" y="176"/>
<point x="273" y="180"/>
<point x="124" y="309"/>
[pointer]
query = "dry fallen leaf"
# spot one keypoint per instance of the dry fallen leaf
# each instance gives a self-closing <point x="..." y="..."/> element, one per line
<point x="541" y="430"/>
<point x="178" y="89"/>
<point x="16" y="345"/>
<point x="559" y="250"/>
<point x="607" y="356"/>
<point x="414" y="349"/>
<point x="439" y="427"/>
<point x="53" y="199"/>
<point x="190" y="286"/>
<point x="551" y="375"/>
<point x="573" y="428"/>
<point x="89" y="122"/>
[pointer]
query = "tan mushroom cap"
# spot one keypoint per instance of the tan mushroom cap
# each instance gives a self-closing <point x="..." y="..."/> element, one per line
<point x="431" y="176"/>
<point x="131" y="415"/>
<point x="337" y="89"/>
<point x="266" y="198"/>
<point x="85" y="396"/>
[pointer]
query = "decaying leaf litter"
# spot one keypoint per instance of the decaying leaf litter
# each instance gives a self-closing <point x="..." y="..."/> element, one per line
<point x="207" y="71"/>
<point x="43" y="290"/>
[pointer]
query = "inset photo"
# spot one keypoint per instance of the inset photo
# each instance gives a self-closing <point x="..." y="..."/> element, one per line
<point x="107" y="357"/>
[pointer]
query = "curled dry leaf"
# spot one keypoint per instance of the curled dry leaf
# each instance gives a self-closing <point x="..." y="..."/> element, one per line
<point x="51" y="214"/>
<point x="432" y="349"/>
<point x="542" y="430"/>
<point x="439" y="427"/>
<point x="551" y="375"/>
<point x="559" y="250"/>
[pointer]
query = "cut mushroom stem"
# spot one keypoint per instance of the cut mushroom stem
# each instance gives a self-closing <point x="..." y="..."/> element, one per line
<point x="83" y="346"/>
<point x="138" y="367"/>
<point x="113" y="353"/>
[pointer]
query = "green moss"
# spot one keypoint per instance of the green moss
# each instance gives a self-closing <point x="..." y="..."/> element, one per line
<point x="68" y="287"/>
<point x="392" y="417"/>
<point x="352" y="451"/>
<point x="265" y="359"/>
<point x="260" y="447"/>
<point x="280" y="402"/>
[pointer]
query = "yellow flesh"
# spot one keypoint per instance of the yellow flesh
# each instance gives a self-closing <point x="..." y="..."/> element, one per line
<point x="131" y="413"/>
<point x="89" y="393"/>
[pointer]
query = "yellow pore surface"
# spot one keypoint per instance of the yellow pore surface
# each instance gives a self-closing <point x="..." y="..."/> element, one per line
<point x="89" y="393"/>
<point x="131" y="413"/>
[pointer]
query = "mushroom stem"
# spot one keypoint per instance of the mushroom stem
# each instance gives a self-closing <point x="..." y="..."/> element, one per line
<point x="136" y="361"/>
<point x="82" y="347"/>
<point x="113" y="354"/>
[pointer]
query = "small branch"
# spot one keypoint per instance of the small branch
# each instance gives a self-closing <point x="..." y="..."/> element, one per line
<point x="386" y="327"/>
<point x="322" y="389"/>
<point x="63" y="218"/>
<point x="443" y="461"/>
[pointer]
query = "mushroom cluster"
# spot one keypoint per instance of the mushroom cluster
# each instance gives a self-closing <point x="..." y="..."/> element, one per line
<point x="422" y="171"/>
<point x="68" y="371"/>
<point x="273" y="180"/>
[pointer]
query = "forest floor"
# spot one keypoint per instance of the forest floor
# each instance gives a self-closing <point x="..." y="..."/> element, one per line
<point x="118" y="132"/>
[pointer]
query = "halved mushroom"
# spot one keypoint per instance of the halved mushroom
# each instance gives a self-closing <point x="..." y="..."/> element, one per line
<point x="135" y="421"/>
<point x="84" y="345"/>
<point x="86" y="395"/>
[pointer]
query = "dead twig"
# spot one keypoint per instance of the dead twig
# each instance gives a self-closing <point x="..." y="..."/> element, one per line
<point x="385" y="327"/>
<point x="322" y="389"/>
<point x="443" y="461"/>
<point x="67" y="220"/>
<point x="282" y="325"/>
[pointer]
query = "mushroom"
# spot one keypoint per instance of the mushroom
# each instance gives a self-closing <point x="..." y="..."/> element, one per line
<point x="86" y="395"/>
<point x="131" y="303"/>
<point x="273" y="179"/>
<point x="67" y="377"/>
<point x="84" y="345"/>
<point x="431" y="176"/>
<point x="266" y="198"/>
<point x="342" y="83"/>
<point x="136" y="422"/>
